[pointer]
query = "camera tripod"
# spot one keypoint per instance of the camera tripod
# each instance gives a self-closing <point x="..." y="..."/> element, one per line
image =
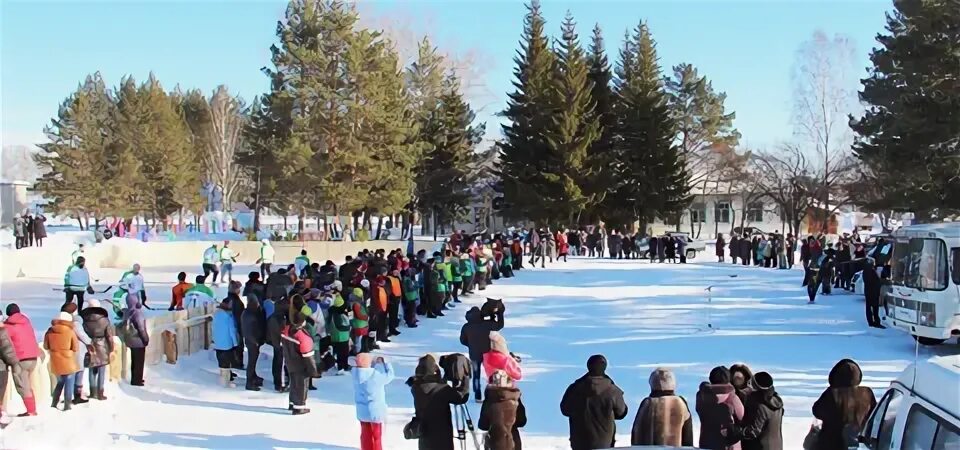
<point x="464" y="422"/>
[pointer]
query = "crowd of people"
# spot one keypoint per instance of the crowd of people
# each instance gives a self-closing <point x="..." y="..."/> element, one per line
<point x="29" y="230"/>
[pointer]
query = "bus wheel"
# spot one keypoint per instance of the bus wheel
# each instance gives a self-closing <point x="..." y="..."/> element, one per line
<point x="929" y="341"/>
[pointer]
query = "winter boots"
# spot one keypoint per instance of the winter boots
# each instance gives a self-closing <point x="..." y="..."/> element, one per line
<point x="31" y="404"/>
<point x="226" y="379"/>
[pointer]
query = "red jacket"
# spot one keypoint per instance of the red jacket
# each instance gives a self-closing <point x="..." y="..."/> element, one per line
<point x="494" y="361"/>
<point x="23" y="337"/>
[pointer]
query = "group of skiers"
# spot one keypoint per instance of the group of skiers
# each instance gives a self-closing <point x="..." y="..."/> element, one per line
<point x="29" y="230"/>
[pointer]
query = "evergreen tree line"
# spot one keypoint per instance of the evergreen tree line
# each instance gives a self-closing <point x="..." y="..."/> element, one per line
<point x="344" y="129"/>
<point x="587" y="142"/>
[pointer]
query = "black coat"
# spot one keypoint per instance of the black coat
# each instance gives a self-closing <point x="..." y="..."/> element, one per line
<point x="256" y="288"/>
<point x="843" y="407"/>
<point x="431" y="400"/>
<point x="593" y="404"/>
<point x="762" y="421"/>
<point x="98" y="327"/>
<point x="275" y="324"/>
<point x="871" y="284"/>
<point x="277" y="286"/>
<point x="475" y="334"/>
<point x="254" y="327"/>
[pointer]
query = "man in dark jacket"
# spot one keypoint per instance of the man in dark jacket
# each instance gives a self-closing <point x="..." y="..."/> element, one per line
<point x="233" y="294"/>
<point x="871" y="290"/>
<point x="255" y="286"/>
<point x="275" y="324"/>
<point x="593" y="403"/>
<point x="254" y="331"/>
<point x="432" y="398"/>
<point x="475" y="335"/>
<point x="278" y="283"/>
<point x="763" y="417"/>
<point x="843" y="407"/>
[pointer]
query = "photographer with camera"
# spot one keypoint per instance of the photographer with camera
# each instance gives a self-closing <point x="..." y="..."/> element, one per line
<point x="475" y="335"/>
<point x="432" y="398"/>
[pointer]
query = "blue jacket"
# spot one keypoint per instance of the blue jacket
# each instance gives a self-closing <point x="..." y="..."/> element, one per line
<point x="369" y="391"/>
<point x="268" y="307"/>
<point x="224" y="331"/>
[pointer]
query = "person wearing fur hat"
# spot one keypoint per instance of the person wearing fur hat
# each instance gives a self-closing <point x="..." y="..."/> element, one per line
<point x="96" y="324"/>
<point x="298" y="356"/>
<point x="62" y="343"/>
<point x="71" y="308"/>
<point x="843" y="407"/>
<point x="224" y="341"/>
<point x="761" y="428"/>
<point x="24" y="341"/>
<point x="500" y="358"/>
<point x="593" y="404"/>
<point x="663" y="418"/>
<point x="370" y="379"/>
<point x="502" y="414"/>
<point x="432" y="398"/>
<point x="719" y="408"/>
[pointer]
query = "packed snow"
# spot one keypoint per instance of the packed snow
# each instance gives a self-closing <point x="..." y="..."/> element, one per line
<point x="640" y="315"/>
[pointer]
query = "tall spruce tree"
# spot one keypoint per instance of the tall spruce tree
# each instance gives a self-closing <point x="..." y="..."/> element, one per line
<point x="574" y="127"/>
<point x="598" y="155"/>
<point x="532" y="174"/>
<point x="649" y="174"/>
<point x="424" y="81"/>
<point x="909" y="137"/>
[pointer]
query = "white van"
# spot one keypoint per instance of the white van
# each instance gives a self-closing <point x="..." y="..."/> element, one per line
<point x="924" y="299"/>
<point x="920" y="411"/>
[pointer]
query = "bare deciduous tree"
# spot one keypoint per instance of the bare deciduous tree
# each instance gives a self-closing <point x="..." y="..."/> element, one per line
<point x="787" y="178"/>
<point x="824" y="96"/>
<point x="223" y="137"/>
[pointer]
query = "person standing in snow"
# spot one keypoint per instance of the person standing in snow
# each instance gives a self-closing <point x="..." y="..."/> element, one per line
<point x="21" y="334"/>
<point x="81" y="353"/>
<point x="227" y="258"/>
<point x="502" y="414"/>
<point x="843" y="407"/>
<point x="721" y="247"/>
<point x="593" y="404"/>
<point x="253" y="326"/>
<point x="236" y="307"/>
<point x="475" y="335"/>
<point x="40" y="229"/>
<point x="211" y="258"/>
<point x="266" y="258"/>
<point x="8" y="360"/>
<point x="432" y="398"/>
<point x="500" y="358"/>
<point x="301" y="262"/>
<point x="134" y="333"/>
<point x="871" y="290"/>
<point x="29" y="230"/>
<point x="734" y="248"/>
<point x="61" y="341"/>
<point x="18" y="232"/>
<point x="663" y="418"/>
<point x="338" y="329"/>
<point x="298" y="357"/>
<point x="76" y="281"/>
<point x="98" y="327"/>
<point x="370" y="379"/>
<point x="761" y="428"/>
<point x="275" y="324"/>
<point x="179" y="292"/>
<point x="131" y="282"/>
<point x="224" y="341"/>
<point x="719" y="409"/>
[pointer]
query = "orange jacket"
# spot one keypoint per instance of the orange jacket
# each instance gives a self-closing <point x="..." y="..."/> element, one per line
<point x="61" y="340"/>
<point x="395" y="286"/>
<point x="380" y="297"/>
<point x="179" y="291"/>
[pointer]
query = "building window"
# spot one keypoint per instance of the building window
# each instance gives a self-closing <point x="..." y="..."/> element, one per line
<point x="755" y="212"/>
<point x="698" y="213"/>
<point x="722" y="212"/>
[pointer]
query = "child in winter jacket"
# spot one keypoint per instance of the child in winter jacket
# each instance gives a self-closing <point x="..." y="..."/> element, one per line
<point x="370" y="379"/>
<point x="61" y="340"/>
<point x="411" y="297"/>
<point x="298" y="356"/>
<point x="224" y="341"/>
<point x="338" y="329"/>
<point x="393" y="305"/>
<point x="499" y="358"/>
<point x="360" y="322"/>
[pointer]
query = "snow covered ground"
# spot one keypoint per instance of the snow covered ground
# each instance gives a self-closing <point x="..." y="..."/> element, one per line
<point x="639" y="315"/>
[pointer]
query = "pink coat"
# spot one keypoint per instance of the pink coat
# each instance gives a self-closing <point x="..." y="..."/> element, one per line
<point x="23" y="337"/>
<point x="494" y="361"/>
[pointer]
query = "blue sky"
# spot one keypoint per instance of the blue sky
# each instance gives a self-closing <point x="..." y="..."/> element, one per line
<point x="745" y="47"/>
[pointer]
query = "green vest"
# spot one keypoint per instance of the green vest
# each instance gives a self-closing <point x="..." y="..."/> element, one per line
<point x="466" y="267"/>
<point x="358" y="323"/>
<point x="455" y="269"/>
<point x="481" y="265"/>
<point x="447" y="271"/>
<point x="410" y="291"/>
<point x="338" y="327"/>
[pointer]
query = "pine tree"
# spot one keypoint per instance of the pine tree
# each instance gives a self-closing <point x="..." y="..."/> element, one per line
<point x="908" y="137"/>
<point x="598" y="155"/>
<point x="574" y="127"/>
<point x="650" y="179"/>
<point x="532" y="176"/>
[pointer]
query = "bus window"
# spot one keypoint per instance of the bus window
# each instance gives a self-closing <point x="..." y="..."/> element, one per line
<point x="947" y="438"/>
<point x="920" y="430"/>
<point x="900" y="262"/>
<point x="921" y="264"/>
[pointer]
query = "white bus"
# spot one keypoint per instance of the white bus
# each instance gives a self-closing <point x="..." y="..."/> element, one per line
<point x="924" y="299"/>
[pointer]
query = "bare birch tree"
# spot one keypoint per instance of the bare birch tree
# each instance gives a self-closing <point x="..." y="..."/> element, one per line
<point x="825" y="87"/>
<point x="788" y="178"/>
<point x="227" y="118"/>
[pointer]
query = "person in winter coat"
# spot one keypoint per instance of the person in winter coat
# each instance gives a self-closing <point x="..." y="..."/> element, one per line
<point x="843" y="407"/>
<point x="734" y="248"/>
<point x="475" y="335"/>
<point x="741" y="377"/>
<point x="225" y="339"/>
<point x="502" y="414"/>
<point x="871" y="291"/>
<point x="719" y="409"/>
<point x="298" y="357"/>
<point x="237" y="307"/>
<point x="721" y="247"/>
<point x="8" y="360"/>
<point x="254" y="330"/>
<point x="254" y="286"/>
<point x="664" y="417"/>
<point x="432" y="398"/>
<point x="593" y="403"/>
<point x="135" y="336"/>
<point x="21" y="334"/>
<point x="338" y="328"/>
<point x="278" y="284"/>
<point x="267" y="254"/>
<point x="40" y="229"/>
<point x="500" y="358"/>
<point x="96" y="324"/>
<point x="746" y="249"/>
<point x="81" y="353"/>
<point x="370" y="379"/>
<point x="762" y="417"/>
<point x="62" y="343"/>
<point x="179" y="292"/>
<point x="76" y="281"/>
<point x="275" y="324"/>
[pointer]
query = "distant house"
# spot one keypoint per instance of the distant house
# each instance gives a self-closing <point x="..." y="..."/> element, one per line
<point x="723" y="209"/>
<point x="13" y="200"/>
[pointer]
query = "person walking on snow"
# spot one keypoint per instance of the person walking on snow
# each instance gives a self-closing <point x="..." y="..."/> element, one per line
<point x="21" y="334"/>
<point x="76" y="281"/>
<point x="266" y="258"/>
<point x="593" y="404"/>
<point x="227" y="258"/>
<point x="370" y="379"/>
<point x="721" y="247"/>
<point x="62" y="343"/>
<point x="211" y="259"/>
<point x="178" y="292"/>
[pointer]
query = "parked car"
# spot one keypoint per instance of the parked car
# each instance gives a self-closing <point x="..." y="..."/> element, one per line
<point x="693" y="245"/>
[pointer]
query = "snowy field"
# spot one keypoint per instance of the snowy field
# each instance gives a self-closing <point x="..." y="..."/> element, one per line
<point x="639" y="315"/>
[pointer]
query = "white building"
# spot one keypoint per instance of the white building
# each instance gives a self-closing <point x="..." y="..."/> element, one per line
<point x="726" y="211"/>
<point x="13" y="200"/>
